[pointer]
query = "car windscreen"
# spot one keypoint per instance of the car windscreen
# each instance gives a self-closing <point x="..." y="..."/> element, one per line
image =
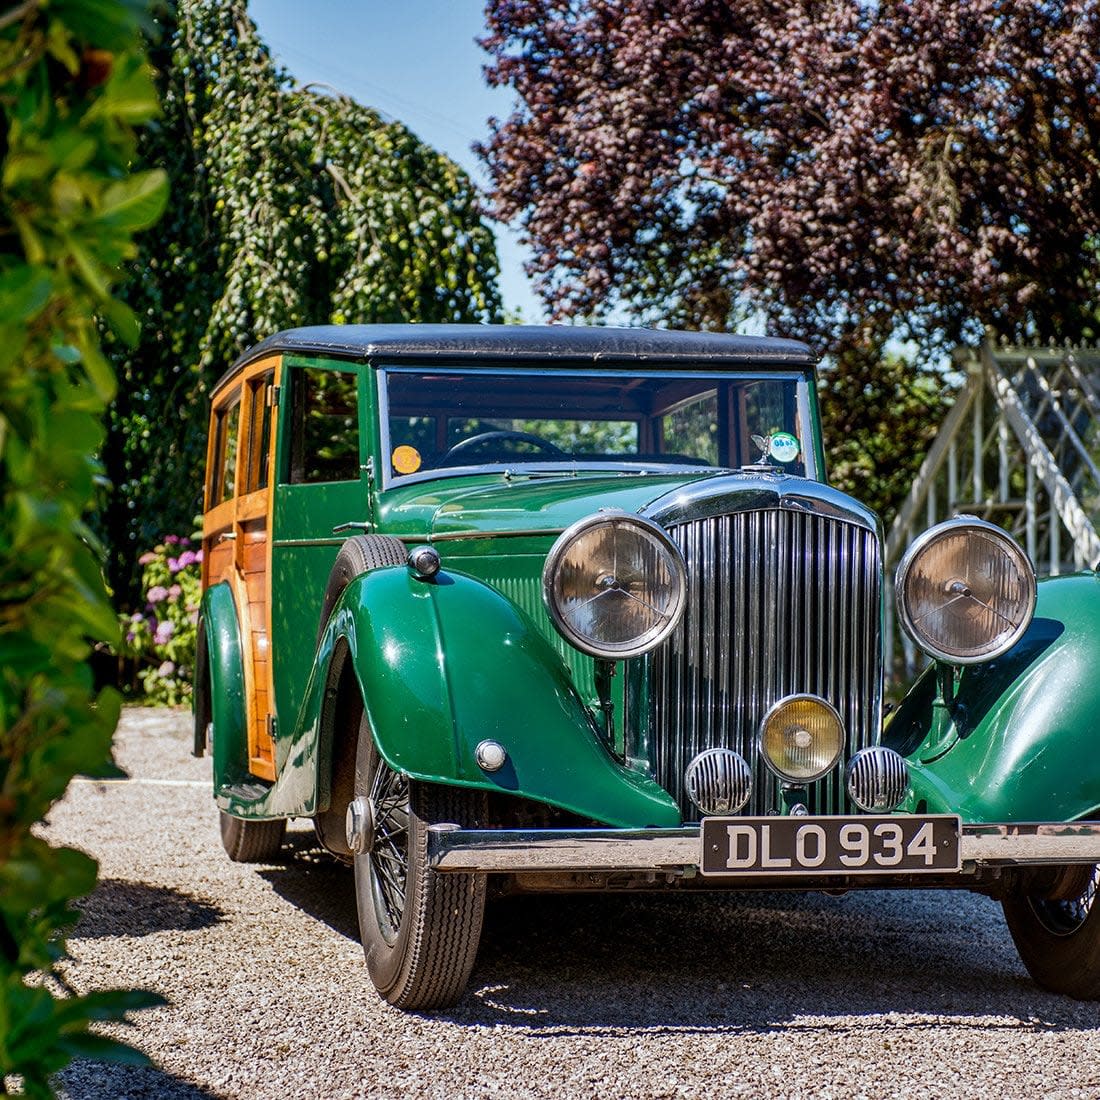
<point x="449" y="419"/>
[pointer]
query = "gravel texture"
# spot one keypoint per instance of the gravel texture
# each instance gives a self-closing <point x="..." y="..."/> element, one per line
<point x="788" y="996"/>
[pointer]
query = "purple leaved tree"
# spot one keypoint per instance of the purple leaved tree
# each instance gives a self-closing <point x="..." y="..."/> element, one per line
<point x="852" y="170"/>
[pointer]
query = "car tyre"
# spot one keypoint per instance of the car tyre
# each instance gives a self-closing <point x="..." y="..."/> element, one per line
<point x="356" y="556"/>
<point x="252" y="841"/>
<point x="420" y="929"/>
<point x="1057" y="933"/>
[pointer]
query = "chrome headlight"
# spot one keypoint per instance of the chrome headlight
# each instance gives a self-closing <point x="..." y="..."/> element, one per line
<point x="965" y="591"/>
<point x="615" y="585"/>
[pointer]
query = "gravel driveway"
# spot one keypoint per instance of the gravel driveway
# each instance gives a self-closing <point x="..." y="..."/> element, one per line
<point x="868" y="995"/>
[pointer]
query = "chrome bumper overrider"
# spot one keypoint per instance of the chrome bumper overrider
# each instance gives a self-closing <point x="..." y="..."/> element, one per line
<point x="581" y="850"/>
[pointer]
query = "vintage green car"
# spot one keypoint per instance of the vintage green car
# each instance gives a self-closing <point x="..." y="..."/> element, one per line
<point x="568" y="608"/>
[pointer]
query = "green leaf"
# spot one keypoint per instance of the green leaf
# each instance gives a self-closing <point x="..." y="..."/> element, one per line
<point x="105" y="1005"/>
<point x="22" y="168"/>
<point x="129" y="95"/>
<point x="100" y="372"/>
<point x="89" y="268"/>
<point x="112" y="24"/>
<point x="134" y="203"/>
<point x="102" y="1049"/>
<point x="24" y="291"/>
<point x="123" y="321"/>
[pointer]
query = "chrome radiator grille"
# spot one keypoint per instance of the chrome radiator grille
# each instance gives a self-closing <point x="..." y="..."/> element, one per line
<point x="780" y="602"/>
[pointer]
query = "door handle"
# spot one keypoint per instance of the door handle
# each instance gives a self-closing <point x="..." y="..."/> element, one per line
<point x="351" y="525"/>
<point x="227" y="536"/>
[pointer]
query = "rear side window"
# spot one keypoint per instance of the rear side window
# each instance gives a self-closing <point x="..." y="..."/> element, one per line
<point x="324" y="437"/>
<point x="227" y="422"/>
<point x="259" y="431"/>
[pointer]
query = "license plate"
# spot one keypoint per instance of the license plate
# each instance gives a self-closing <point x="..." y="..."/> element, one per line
<point x="864" y="845"/>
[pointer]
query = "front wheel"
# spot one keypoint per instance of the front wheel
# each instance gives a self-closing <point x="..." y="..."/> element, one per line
<point x="1057" y="932"/>
<point x="420" y="929"/>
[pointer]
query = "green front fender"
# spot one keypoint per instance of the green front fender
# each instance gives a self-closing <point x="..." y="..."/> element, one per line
<point x="448" y="663"/>
<point x="1020" y="741"/>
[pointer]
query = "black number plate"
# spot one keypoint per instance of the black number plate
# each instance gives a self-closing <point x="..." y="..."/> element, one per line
<point x="864" y="845"/>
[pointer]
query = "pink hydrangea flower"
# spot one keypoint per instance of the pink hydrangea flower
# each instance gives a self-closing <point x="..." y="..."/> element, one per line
<point x="157" y="593"/>
<point x="147" y="557"/>
<point x="174" y="592"/>
<point x="165" y="630"/>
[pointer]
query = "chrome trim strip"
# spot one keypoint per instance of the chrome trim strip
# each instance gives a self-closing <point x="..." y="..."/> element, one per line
<point x="581" y="850"/>
<point x="456" y="536"/>
<point x="757" y="490"/>
<point x="337" y="540"/>
<point x="1032" y="842"/>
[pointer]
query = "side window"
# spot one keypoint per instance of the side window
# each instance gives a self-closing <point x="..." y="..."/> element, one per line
<point x="324" y="437"/>
<point x="224" y="467"/>
<point x="259" y="431"/>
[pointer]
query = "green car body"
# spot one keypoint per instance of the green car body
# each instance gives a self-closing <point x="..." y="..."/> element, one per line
<point x="435" y="666"/>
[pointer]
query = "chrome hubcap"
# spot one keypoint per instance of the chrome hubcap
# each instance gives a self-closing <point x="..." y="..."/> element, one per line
<point x="359" y="825"/>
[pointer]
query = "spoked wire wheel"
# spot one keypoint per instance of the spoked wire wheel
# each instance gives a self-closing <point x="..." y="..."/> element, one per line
<point x="1057" y="932"/>
<point x="388" y="858"/>
<point x="420" y="928"/>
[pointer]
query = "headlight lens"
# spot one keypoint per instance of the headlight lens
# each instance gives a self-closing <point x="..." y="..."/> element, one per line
<point x="615" y="585"/>
<point x="965" y="591"/>
<point x="801" y="738"/>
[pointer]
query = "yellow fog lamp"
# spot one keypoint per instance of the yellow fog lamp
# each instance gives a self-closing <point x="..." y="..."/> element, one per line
<point x="801" y="738"/>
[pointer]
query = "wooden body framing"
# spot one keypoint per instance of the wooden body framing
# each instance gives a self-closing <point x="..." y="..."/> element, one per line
<point x="236" y="533"/>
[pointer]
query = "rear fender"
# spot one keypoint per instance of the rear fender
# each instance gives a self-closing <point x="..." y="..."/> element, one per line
<point x="1020" y="741"/>
<point x="223" y="656"/>
<point x="445" y="664"/>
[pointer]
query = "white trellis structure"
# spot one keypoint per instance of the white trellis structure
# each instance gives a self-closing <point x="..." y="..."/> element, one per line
<point x="1021" y="448"/>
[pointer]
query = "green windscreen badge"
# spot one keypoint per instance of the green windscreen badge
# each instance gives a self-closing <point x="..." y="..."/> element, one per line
<point x="781" y="446"/>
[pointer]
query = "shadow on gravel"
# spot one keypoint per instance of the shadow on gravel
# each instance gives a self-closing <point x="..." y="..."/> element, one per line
<point x="84" y="1080"/>
<point x="725" y="963"/>
<point x="755" y="963"/>
<point x="311" y="880"/>
<point x="121" y="908"/>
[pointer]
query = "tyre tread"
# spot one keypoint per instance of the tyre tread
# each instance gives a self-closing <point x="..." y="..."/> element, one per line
<point x="252" y="841"/>
<point x="442" y="955"/>
<point x="1067" y="964"/>
<point x="358" y="555"/>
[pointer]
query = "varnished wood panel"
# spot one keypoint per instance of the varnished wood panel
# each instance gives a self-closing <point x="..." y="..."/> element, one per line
<point x="244" y="560"/>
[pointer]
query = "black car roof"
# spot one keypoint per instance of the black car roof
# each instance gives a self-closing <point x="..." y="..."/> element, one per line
<point x="568" y="344"/>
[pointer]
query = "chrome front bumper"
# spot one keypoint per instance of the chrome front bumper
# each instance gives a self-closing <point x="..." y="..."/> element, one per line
<point x="677" y="850"/>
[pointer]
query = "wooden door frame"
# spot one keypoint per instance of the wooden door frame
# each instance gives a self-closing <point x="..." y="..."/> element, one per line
<point x="230" y="519"/>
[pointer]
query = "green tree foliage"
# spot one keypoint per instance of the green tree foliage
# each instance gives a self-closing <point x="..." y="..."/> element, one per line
<point x="880" y="414"/>
<point x="73" y="82"/>
<point x="289" y="206"/>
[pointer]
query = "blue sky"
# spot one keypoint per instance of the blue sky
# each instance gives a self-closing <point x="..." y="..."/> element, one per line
<point x="413" y="60"/>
